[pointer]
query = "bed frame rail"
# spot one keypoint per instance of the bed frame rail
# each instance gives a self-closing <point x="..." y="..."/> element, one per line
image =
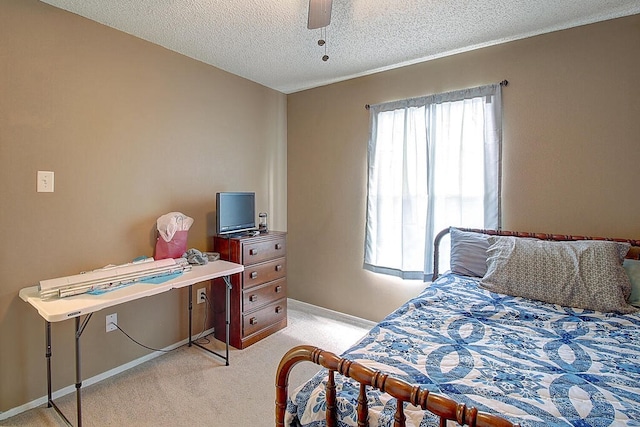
<point x="443" y="407"/>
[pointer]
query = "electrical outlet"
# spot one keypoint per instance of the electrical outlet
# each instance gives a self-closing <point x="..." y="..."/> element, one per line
<point x="112" y="321"/>
<point x="202" y="292"/>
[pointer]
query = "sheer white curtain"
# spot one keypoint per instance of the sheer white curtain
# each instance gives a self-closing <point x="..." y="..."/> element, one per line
<point x="434" y="162"/>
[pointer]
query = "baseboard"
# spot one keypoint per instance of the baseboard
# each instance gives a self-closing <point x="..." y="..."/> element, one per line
<point x="96" y="379"/>
<point x="325" y="312"/>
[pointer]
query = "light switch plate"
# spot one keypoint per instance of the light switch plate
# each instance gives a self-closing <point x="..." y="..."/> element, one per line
<point x="45" y="182"/>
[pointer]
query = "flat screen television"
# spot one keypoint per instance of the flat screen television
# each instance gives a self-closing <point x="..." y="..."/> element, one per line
<point x="235" y="212"/>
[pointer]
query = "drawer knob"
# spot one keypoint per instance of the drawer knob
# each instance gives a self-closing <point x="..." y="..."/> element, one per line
<point x="278" y="309"/>
<point x="278" y="267"/>
<point x="253" y="252"/>
<point x="278" y="289"/>
<point x="253" y="298"/>
<point x="278" y="246"/>
<point x="253" y="321"/>
<point x="253" y="274"/>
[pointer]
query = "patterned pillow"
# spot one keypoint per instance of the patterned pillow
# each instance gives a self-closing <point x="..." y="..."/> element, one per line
<point x="468" y="253"/>
<point x="584" y="274"/>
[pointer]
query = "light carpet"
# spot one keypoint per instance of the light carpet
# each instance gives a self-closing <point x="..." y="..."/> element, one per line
<point x="189" y="387"/>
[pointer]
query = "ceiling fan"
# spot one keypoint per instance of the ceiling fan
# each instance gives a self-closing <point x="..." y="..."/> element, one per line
<point x="319" y="14"/>
<point x="320" y="17"/>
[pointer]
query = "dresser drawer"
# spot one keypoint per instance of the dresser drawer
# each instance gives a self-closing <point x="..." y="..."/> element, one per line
<point x="255" y="252"/>
<point x="263" y="294"/>
<point x="259" y="319"/>
<point x="258" y="274"/>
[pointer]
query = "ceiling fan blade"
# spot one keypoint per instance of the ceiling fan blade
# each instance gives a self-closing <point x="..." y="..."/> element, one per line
<point x="319" y="13"/>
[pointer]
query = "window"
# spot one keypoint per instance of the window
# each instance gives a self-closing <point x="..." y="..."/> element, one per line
<point x="434" y="162"/>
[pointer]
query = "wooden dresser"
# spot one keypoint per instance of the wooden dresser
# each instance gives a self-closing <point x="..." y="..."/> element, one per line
<point x="258" y="302"/>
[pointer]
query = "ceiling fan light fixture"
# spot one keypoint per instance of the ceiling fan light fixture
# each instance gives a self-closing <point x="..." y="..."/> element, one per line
<point x="319" y="14"/>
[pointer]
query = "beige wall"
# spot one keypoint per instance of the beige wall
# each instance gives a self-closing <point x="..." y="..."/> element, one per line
<point x="132" y="131"/>
<point x="571" y="153"/>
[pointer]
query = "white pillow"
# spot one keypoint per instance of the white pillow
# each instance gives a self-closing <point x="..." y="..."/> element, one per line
<point x="468" y="253"/>
<point x="584" y="274"/>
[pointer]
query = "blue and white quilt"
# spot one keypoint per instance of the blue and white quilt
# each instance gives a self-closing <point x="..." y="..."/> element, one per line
<point x="534" y="363"/>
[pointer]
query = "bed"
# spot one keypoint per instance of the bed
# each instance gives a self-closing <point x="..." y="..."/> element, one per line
<point x="528" y="328"/>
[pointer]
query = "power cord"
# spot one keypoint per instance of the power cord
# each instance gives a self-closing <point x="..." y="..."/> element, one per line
<point x="202" y="339"/>
<point x="139" y="343"/>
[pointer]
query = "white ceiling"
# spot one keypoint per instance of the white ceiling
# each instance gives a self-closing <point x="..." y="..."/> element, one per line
<point x="267" y="41"/>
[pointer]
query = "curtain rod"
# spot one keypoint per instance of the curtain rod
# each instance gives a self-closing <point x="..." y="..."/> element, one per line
<point x="505" y="82"/>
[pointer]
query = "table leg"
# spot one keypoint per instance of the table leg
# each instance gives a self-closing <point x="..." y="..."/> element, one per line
<point x="78" y="374"/>
<point x="227" y="281"/>
<point x="190" y="311"/>
<point x="48" y="356"/>
<point x="79" y="329"/>
<point x="227" y="319"/>
<point x="78" y="333"/>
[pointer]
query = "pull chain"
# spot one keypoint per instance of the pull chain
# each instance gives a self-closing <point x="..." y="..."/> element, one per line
<point x="323" y="42"/>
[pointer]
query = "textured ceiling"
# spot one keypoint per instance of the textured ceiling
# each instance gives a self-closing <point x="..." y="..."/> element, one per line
<point x="267" y="41"/>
